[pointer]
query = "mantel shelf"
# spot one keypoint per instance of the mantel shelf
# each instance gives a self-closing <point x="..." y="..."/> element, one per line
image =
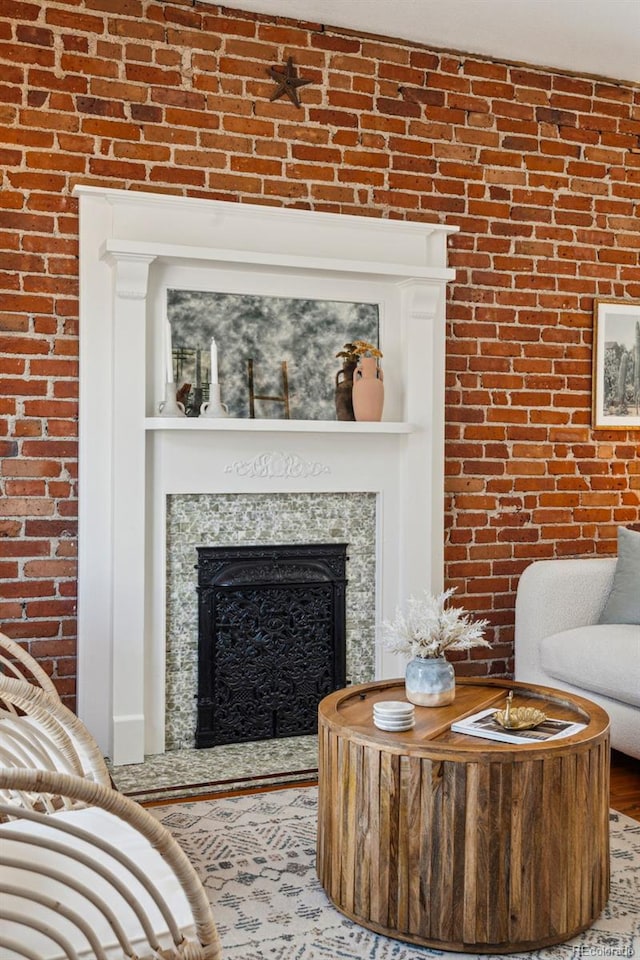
<point x="277" y="426"/>
<point x="117" y="248"/>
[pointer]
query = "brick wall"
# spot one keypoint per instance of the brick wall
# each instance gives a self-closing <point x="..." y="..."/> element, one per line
<point x="539" y="170"/>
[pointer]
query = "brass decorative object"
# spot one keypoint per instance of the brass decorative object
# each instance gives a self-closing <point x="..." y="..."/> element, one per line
<point x="519" y="718"/>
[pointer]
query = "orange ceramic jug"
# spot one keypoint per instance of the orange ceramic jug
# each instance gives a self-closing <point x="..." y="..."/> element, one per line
<point x="368" y="390"/>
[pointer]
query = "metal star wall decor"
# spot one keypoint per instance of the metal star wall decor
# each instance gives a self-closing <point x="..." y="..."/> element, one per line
<point x="287" y="82"/>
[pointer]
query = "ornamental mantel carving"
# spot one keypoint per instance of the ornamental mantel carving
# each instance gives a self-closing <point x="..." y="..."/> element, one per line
<point x="277" y="465"/>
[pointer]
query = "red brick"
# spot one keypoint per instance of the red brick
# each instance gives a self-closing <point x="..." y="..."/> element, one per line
<point x="23" y="548"/>
<point x="51" y="608"/>
<point x="22" y="589"/>
<point x="49" y="568"/>
<point x="25" y="488"/>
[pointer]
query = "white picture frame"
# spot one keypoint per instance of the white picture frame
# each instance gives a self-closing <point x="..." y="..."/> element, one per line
<point x="616" y="365"/>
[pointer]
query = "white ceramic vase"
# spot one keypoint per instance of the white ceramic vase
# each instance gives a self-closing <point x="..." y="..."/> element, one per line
<point x="430" y="681"/>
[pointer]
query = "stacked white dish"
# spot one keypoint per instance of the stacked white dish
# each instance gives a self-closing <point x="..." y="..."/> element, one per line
<point x="395" y="715"/>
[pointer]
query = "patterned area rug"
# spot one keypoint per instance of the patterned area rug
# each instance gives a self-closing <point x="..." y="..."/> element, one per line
<point x="256" y="857"/>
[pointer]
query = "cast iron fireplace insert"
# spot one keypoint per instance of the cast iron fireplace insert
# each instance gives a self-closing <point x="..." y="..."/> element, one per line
<point x="271" y="639"/>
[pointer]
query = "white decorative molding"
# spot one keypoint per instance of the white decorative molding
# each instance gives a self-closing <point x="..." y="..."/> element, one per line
<point x="133" y="247"/>
<point x="423" y="297"/>
<point x="268" y="466"/>
<point x="345" y="427"/>
<point x="132" y="273"/>
<point x="289" y="260"/>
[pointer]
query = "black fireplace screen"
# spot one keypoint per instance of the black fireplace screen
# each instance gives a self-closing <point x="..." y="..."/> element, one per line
<point x="271" y="639"/>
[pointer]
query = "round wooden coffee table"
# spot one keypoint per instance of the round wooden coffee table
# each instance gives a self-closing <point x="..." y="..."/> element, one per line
<point x="457" y="842"/>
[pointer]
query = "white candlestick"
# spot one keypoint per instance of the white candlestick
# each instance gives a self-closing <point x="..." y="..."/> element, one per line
<point x="169" y="349"/>
<point x="213" y="376"/>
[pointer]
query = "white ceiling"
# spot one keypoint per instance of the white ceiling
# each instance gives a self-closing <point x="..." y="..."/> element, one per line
<point x="599" y="37"/>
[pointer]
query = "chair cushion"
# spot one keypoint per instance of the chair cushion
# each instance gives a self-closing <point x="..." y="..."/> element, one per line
<point x="623" y="602"/>
<point x="601" y="658"/>
<point x="100" y="823"/>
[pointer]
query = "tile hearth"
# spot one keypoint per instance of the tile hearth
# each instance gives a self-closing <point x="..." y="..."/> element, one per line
<point x="190" y="772"/>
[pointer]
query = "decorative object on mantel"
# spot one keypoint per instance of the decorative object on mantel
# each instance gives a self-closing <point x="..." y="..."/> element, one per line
<point x="276" y="464"/>
<point x="170" y="406"/>
<point x="214" y="406"/>
<point x="193" y="410"/>
<point x="368" y="388"/>
<point x="287" y="81"/>
<point x="182" y="395"/>
<point x="425" y="633"/>
<point x="344" y="386"/>
<point x="344" y="390"/>
<point x="275" y="398"/>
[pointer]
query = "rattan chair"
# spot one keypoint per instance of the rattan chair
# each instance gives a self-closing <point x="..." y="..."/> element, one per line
<point x="85" y="873"/>
<point x="39" y="732"/>
<point x="15" y="661"/>
<point x="88" y="874"/>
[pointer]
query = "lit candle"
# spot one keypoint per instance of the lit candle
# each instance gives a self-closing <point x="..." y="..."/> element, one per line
<point x="169" y="357"/>
<point x="213" y="376"/>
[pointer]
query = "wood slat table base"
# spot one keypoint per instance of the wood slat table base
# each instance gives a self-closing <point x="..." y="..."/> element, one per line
<point x="481" y="847"/>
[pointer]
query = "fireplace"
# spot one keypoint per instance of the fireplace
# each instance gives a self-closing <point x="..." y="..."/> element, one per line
<point x="262" y="520"/>
<point x="271" y="639"/>
<point x="135" y="650"/>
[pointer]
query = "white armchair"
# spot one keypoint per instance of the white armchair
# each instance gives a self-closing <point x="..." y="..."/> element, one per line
<point x="559" y="642"/>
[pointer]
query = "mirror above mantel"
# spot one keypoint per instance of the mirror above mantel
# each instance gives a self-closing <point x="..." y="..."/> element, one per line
<point x="134" y="247"/>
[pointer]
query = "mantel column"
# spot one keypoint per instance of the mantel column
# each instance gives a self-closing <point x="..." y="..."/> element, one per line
<point x="128" y="507"/>
<point x="424" y="333"/>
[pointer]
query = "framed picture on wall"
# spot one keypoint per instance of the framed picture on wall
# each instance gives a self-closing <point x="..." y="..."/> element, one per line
<point x="616" y="365"/>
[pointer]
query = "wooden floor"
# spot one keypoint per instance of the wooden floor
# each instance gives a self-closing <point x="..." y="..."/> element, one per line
<point x="625" y="784"/>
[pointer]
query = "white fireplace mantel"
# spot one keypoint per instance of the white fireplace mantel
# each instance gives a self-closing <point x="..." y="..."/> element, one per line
<point x="133" y="247"/>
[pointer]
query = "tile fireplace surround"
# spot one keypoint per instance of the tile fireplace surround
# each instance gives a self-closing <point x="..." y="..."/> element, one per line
<point x="266" y="519"/>
<point x="133" y="247"/>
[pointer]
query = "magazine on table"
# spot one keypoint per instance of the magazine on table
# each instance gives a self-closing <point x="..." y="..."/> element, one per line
<point x="483" y="725"/>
